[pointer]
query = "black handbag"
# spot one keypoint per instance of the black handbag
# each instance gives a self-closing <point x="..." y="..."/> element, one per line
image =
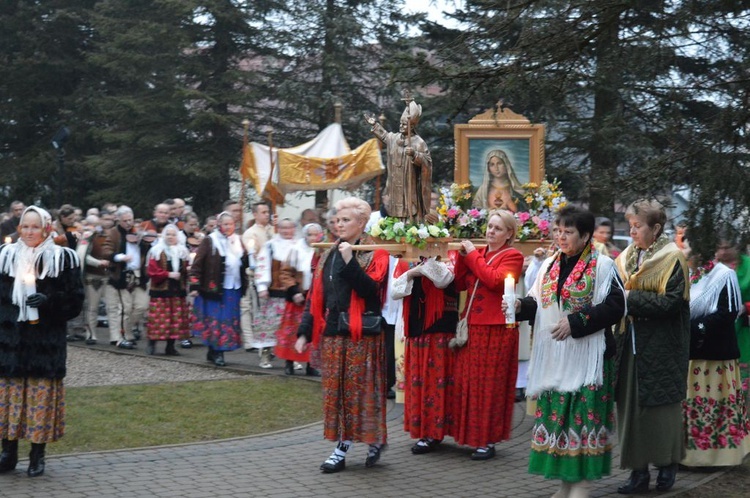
<point x="372" y="323"/>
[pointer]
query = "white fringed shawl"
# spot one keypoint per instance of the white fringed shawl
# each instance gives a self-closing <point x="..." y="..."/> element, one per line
<point x="567" y="365"/>
<point x="45" y="260"/>
<point x="705" y="293"/>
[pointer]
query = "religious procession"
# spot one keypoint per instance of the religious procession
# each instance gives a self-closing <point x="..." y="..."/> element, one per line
<point x="463" y="289"/>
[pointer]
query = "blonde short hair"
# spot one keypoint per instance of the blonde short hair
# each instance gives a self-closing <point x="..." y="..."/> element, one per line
<point x="650" y="210"/>
<point x="360" y="208"/>
<point x="508" y="219"/>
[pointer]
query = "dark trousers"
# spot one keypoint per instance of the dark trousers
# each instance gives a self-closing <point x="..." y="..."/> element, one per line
<point x="390" y="355"/>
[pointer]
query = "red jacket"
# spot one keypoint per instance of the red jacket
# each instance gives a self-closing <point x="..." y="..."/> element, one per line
<point x="486" y="308"/>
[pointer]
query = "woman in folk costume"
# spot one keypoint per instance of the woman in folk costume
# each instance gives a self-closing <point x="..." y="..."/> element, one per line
<point x="575" y="300"/>
<point x="299" y="276"/>
<point x="652" y="351"/>
<point x="217" y="281"/>
<point x="168" y="313"/>
<point x="40" y="290"/>
<point x="718" y="430"/>
<point x="346" y="288"/>
<point x="486" y="367"/>
<point x="430" y="315"/>
<point x="272" y="284"/>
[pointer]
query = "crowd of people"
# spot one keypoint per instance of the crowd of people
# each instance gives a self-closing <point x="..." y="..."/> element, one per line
<point x="648" y="345"/>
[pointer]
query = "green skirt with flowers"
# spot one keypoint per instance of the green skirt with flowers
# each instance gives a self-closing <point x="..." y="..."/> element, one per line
<point x="574" y="432"/>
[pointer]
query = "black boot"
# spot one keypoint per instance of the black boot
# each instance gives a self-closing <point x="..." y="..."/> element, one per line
<point x="171" y="351"/>
<point x="666" y="477"/>
<point x="9" y="456"/>
<point x="289" y="367"/>
<point x="219" y="358"/>
<point x="151" y="347"/>
<point x="311" y="372"/>
<point x="637" y="483"/>
<point x="210" y="354"/>
<point x="36" y="460"/>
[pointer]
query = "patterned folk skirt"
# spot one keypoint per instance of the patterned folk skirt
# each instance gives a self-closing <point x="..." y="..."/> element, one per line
<point x="574" y="432"/>
<point x="718" y="430"/>
<point x="485" y="373"/>
<point x="32" y="409"/>
<point x="266" y="321"/>
<point x="218" y="322"/>
<point x="286" y="335"/>
<point x="428" y="386"/>
<point x="353" y="381"/>
<point x="168" y="318"/>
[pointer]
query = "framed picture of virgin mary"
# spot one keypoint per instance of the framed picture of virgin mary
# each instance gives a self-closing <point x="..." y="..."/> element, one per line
<point x="498" y="152"/>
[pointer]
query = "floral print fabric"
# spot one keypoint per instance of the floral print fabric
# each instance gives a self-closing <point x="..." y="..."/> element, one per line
<point x="32" y="409"/>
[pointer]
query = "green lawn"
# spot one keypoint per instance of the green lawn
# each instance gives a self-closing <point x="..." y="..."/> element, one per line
<point x="113" y="417"/>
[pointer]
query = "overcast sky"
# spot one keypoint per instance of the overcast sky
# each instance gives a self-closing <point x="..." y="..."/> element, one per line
<point x="434" y="8"/>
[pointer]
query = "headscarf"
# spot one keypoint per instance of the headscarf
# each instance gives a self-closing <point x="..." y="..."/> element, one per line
<point x="174" y="253"/>
<point x="45" y="260"/>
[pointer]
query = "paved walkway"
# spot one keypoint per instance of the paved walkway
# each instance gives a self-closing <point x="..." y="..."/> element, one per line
<point x="285" y="464"/>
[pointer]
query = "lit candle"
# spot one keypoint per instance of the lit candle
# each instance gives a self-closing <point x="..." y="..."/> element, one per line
<point x="509" y="297"/>
<point x="29" y="283"/>
<point x="8" y="240"/>
<point x="510" y="286"/>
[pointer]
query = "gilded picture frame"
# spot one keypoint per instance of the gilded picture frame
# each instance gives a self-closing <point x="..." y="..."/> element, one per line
<point x="498" y="151"/>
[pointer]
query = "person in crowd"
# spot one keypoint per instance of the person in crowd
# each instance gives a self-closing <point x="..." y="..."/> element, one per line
<point x="40" y="289"/>
<point x="254" y="239"/>
<point x="95" y="251"/>
<point x="717" y="427"/>
<point x="177" y="214"/>
<point x="272" y="288"/>
<point x="126" y="294"/>
<point x="233" y="207"/>
<point x="345" y="297"/>
<point x="209" y="226"/>
<point x="297" y="275"/>
<point x="168" y="313"/>
<point x="307" y="217"/>
<point x="500" y="188"/>
<point x="191" y="231"/>
<point x="10" y="226"/>
<point x="728" y="253"/>
<point x="486" y="367"/>
<point x="575" y="301"/>
<point x="218" y="279"/>
<point x="679" y="235"/>
<point x="65" y="227"/>
<point x="107" y="219"/>
<point x="156" y="224"/>
<point x="331" y="229"/>
<point x="193" y="237"/>
<point x="603" y="235"/>
<point x="652" y="351"/>
<point x="430" y="314"/>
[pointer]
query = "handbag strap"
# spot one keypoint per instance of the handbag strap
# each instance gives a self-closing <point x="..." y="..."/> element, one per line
<point x="476" y="284"/>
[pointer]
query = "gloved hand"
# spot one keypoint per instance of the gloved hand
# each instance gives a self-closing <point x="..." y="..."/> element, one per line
<point x="36" y="300"/>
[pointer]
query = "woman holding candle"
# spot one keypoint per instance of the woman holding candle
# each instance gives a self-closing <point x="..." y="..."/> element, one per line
<point x="575" y="300"/>
<point x="40" y="290"/>
<point x="486" y="366"/>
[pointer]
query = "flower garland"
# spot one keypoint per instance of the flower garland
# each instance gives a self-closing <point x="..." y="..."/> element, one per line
<point x="543" y="201"/>
<point x="457" y="215"/>
<point x="416" y="234"/>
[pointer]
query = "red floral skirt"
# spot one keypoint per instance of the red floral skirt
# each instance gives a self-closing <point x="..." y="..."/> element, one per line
<point x="168" y="318"/>
<point x="286" y="335"/>
<point x="428" y="386"/>
<point x="354" y="389"/>
<point x="485" y="373"/>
